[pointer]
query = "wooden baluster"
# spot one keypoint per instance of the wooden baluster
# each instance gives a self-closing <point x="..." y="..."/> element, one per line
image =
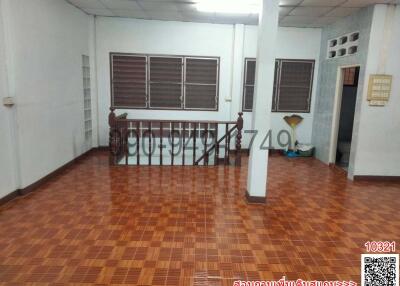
<point x="149" y="129"/>
<point x="216" y="145"/>
<point x="127" y="146"/>
<point x="125" y="137"/>
<point x="121" y="149"/>
<point x="161" y="137"/>
<point x="194" y="143"/>
<point x="172" y="144"/>
<point x="183" y="141"/>
<point x="112" y="136"/>
<point x="229" y="148"/>
<point x="205" y="145"/>
<point x="238" y="158"/>
<point x="226" y="150"/>
<point x="138" y="143"/>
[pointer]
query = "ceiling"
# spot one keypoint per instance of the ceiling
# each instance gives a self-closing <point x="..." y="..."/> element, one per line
<point x="293" y="13"/>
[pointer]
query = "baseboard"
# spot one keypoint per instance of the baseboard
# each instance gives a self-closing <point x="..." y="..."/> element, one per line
<point x="255" y="200"/>
<point x="363" y="178"/>
<point x="220" y="161"/>
<point x="9" y="197"/>
<point x="42" y="181"/>
<point x="232" y="153"/>
<point x="100" y="148"/>
<point x="272" y="151"/>
<point x="34" y="186"/>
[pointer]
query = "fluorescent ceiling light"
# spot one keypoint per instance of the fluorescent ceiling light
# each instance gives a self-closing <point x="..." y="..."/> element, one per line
<point x="229" y="6"/>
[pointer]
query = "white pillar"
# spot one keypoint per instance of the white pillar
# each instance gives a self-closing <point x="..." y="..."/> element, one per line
<point x="7" y="24"/>
<point x="261" y="121"/>
<point x="93" y="80"/>
<point x="237" y="70"/>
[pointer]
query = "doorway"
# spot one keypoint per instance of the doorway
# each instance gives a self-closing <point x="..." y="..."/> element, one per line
<point x="346" y="116"/>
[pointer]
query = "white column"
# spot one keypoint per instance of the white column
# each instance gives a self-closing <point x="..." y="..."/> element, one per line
<point x="261" y="121"/>
<point x="237" y="71"/>
<point x="7" y="23"/>
<point x="93" y="81"/>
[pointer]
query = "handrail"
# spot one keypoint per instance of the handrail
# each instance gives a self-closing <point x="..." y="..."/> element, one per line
<point x="122" y="116"/>
<point x="177" y="121"/>
<point x="215" y="145"/>
<point x="121" y="127"/>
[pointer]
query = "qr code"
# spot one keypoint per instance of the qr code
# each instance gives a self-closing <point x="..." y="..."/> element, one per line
<point x="379" y="270"/>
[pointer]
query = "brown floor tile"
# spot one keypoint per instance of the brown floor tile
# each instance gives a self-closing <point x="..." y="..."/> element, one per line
<point x="101" y="224"/>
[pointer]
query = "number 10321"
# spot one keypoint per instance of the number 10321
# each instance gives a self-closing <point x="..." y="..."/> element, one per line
<point x="380" y="246"/>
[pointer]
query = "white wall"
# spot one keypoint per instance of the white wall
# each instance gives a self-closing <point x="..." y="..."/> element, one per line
<point x="45" y="76"/>
<point x="8" y="182"/>
<point x="327" y="92"/>
<point x="161" y="37"/>
<point x="48" y="40"/>
<point x="377" y="150"/>
<point x="230" y="43"/>
<point x="292" y="43"/>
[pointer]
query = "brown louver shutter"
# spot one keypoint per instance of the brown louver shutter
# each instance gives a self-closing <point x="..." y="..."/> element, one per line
<point x="275" y="90"/>
<point x="248" y="89"/>
<point x="295" y="86"/>
<point x="128" y="81"/>
<point x="165" y="86"/>
<point x="249" y="82"/>
<point x="201" y="85"/>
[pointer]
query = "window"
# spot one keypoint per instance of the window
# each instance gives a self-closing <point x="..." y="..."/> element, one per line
<point x="129" y="81"/>
<point x="165" y="85"/>
<point x="292" y="85"/>
<point x="164" y="82"/>
<point x="87" y="102"/>
<point x="274" y="91"/>
<point x="249" y="79"/>
<point x="201" y="83"/>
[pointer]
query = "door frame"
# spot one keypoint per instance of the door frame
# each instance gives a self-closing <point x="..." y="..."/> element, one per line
<point x="336" y="111"/>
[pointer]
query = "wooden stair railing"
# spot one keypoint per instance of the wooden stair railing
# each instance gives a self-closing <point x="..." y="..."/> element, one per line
<point x="116" y="137"/>
<point x="216" y="147"/>
<point x="122" y="129"/>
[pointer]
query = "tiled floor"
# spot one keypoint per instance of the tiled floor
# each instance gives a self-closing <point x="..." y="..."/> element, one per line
<point x="191" y="225"/>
